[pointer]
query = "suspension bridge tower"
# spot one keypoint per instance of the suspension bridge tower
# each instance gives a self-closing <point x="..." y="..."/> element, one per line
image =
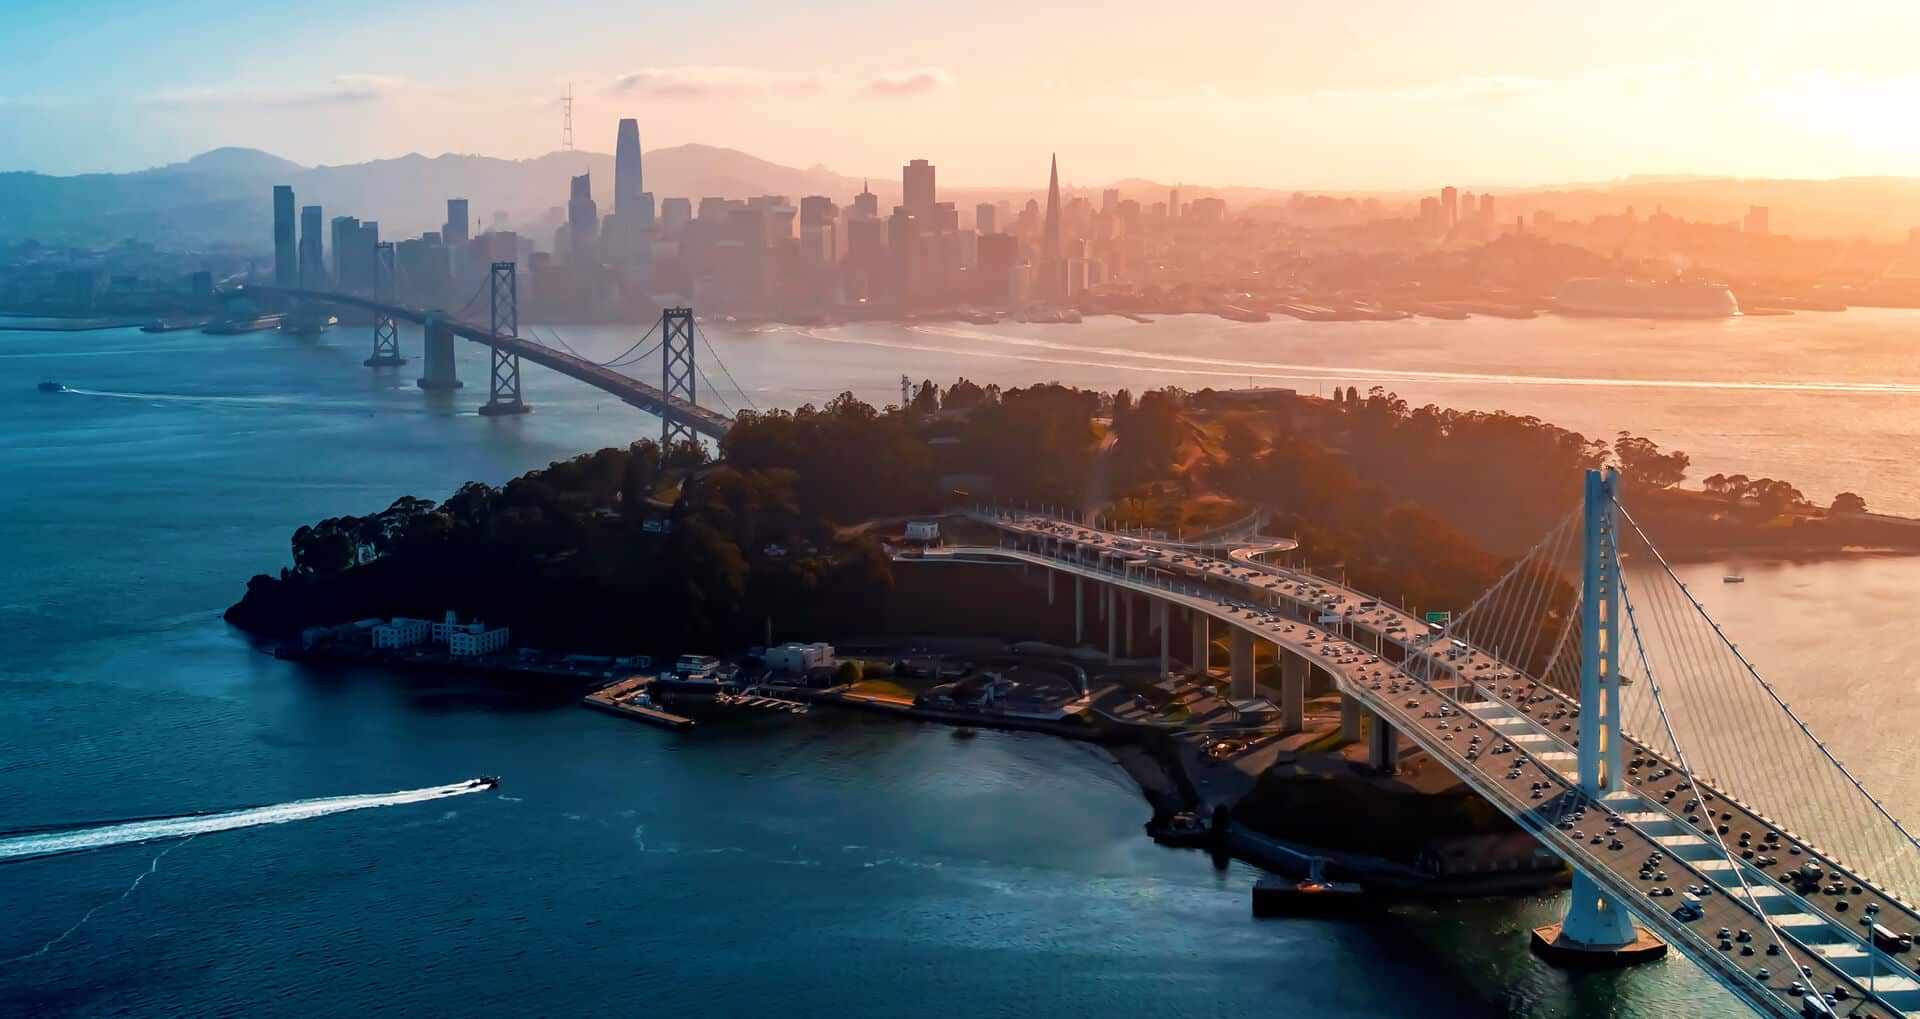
<point x="1598" y="929"/>
<point x="677" y="372"/>
<point x="386" y="336"/>
<point x="503" y="385"/>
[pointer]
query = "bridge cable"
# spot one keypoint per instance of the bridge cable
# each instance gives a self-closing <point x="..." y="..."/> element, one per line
<point x="1753" y="901"/>
<point x="1774" y="696"/>
<point x="621" y="359"/>
<point x="714" y="391"/>
<point x="628" y="362"/>
<point x="737" y="388"/>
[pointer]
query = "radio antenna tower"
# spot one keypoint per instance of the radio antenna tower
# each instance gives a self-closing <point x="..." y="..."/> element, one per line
<point x="566" y="120"/>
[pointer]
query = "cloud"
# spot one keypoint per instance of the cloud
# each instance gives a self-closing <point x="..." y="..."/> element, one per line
<point x="345" y="90"/>
<point x="914" y="81"/>
<point x="710" y="82"/>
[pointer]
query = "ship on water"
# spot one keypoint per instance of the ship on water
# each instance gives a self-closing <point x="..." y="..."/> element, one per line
<point x="1617" y="297"/>
<point x="307" y="321"/>
<point x="235" y="325"/>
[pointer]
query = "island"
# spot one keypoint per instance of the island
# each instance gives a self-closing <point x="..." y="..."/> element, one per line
<point x="803" y="526"/>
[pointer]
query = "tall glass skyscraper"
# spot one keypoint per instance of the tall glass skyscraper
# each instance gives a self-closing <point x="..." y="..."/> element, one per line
<point x="286" y="266"/>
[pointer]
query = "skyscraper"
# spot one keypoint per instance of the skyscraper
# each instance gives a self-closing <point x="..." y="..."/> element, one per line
<point x="627" y="184"/>
<point x="983" y="217"/>
<point x="916" y="188"/>
<point x="866" y="204"/>
<point x="1050" y="227"/>
<point x="313" y="271"/>
<point x="1449" y="206"/>
<point x="583" y="222"/>
<point x="454" y="232"/>
<point x="346" y="231"/>
<point x="286" y="271"/>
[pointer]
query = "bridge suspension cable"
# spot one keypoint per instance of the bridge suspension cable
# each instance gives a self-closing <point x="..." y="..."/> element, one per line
<point x="1787" y="945"/>
<point x="1743" y="735"/>
<point x="715" y="354"/>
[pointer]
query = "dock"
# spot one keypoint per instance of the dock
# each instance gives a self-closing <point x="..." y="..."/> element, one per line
<point x="756" y="697"/>
<point x="629" y="698"/>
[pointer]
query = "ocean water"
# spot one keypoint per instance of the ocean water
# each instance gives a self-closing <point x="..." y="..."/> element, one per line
<point x="831" y="865"/>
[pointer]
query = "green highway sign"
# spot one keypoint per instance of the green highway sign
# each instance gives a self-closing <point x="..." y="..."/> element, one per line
<point x="1439" y="618"/>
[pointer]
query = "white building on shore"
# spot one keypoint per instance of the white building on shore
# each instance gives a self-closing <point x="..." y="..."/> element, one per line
<point x="799" y="659"/>
<point x="401" y="632"/>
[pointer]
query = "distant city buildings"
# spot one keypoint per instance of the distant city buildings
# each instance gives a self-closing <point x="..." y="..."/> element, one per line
<point x="313" y="267"/>
<point x="286" y="271"/>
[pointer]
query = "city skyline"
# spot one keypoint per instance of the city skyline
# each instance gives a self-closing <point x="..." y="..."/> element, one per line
<point x="1475" y="93"/>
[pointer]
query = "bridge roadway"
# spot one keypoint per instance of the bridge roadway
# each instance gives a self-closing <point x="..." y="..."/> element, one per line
<point x="648" y="398"/>
<point x="1509" y="712"/>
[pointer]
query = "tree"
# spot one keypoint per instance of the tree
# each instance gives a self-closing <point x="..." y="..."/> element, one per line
<point x="1643" y="465"/>
<point x="1848" y="502"/>
<point x="1353" y="396"/>
<point x="963" y="395"/>
<point x="1715" y="484"/>
<point x="926" y="400"/>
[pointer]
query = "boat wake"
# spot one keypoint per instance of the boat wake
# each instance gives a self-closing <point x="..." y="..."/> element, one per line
<point x="238" y="401"/>
<point x="81" y="839"/>
<point x="1005" y="347"/>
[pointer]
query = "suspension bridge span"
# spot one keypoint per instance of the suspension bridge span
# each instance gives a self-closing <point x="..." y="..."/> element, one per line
<point x="1591" y="698"/>
<point x="674" y="400"/>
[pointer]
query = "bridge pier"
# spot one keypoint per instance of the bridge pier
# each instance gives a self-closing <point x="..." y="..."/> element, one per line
<point x="503" y="378"/>
<point x="1293" y="691"/>
<point x="1199" y="662"/>
<point x="1126" y="634"/>
<point x="1240" y="666"/>
<point x="1113" y="625"/>
<point x="440" y="370"/>
<point x="1050" y="574"/>
<point x="1598" y="930"/>
<point x="1383" y="745"/>
<point x="1079" y="609"/>
<point x="1349" y="718"/>
<point x="386" y="335"/>
<point x="1161" y="612"/>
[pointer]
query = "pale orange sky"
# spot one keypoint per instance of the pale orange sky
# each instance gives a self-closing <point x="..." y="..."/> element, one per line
<point x="1359" y="94"/>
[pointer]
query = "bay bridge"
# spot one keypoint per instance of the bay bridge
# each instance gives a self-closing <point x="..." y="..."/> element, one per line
<point x="674" y="401"/>
<point x="1591" y="698"/>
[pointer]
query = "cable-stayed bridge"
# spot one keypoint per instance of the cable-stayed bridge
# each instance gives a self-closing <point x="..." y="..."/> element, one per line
<point x="1590" y="696"/>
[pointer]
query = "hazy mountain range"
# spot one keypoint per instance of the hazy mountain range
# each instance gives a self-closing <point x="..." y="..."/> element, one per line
<point x="222" y="198"/>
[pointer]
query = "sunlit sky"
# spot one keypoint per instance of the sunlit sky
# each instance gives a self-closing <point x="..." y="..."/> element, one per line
<point x="1358" y="94"/>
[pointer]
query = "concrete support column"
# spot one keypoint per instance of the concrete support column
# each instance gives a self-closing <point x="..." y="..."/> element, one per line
<point x="1293" y="691"/>
<point x="1200" y="642"/>
<point x="1079" y="609"/>
<point x="1166" y="636"/>
<point x="1349" y="718"/>
<point x="1113" y="625"/>
<point x="1050" y="588"/>
<point x="1126" y="638"/>
<point x="439" y="348"/>
<point x="1383" y="746"/>
<point x="1241" y="666"/>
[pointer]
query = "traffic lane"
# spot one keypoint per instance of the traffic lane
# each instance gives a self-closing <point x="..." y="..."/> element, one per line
<point x="1624" y="848"/>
